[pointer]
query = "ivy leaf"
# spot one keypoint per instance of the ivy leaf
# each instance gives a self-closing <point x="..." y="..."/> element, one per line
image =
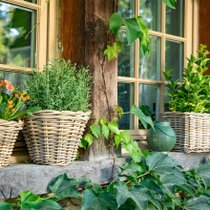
<point x="132" y="29"/>
<point x="83" y="144"/>
<point x="113" y="126"/>
<point x="139" y="195"/>
<point x="6" y="206"/>
<point x="115" y="22"/>
<point x="161" y="163"/>
<point x="125" y="136"/>
<point x="105" y="131"/>
<point x="96" y="130"/>
<point x="204" y="172"/>
<point x="201" y="202"/>
<point x="145" y="120"/>
<point x="49" y="204"/>
<point x="113" y="50"/>
<point x="101" y="200"/>
<point x="89" y="139"/>
<point x="64" y="187"/>
<point x="170" y="3"/>
<point x="171" y="180"/>
<point x="117" y="140"/>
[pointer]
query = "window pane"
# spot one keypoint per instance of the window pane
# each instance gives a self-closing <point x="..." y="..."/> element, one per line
<point x="175" y="19"/>
<point x="150" y="10"/>
<point x="126" y="8"/>
<point x="16" y="79"/>
<point x="126" y="100"/>
<point x="125" y="58"/>
<point x="17" y="35"/>
<point x="150" y="64"/>
<point x="174" y="58"/>
<point x="149" y="98"/>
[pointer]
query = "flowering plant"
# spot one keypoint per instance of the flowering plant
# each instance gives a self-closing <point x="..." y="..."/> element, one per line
<point x="13" y="101"/>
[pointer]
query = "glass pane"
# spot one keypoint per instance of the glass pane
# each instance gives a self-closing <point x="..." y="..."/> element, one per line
<point x="149" y="100"/>
<point x="175" y="19"/>
<point x="125" y="58"/>
<point x="16" y="79"/>
<point x="17" y="35"/>
<point x="126" y="8"/>
<point x="150" y="10"/>
<point x="150" y="64"/>
<point x="126" y="100"/>
<point x="174" y="58"/>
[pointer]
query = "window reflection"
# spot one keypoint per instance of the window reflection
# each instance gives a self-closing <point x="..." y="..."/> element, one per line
<point x="17" y="35"/>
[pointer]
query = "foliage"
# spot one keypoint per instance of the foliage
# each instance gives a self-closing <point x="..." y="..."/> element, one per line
<point x="192" y="93"/>
<point x="60" y="86"/>
<point x="135" y="28"/>
<point x="13" y="101"/>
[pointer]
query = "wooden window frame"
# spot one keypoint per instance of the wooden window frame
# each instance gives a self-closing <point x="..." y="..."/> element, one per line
<point x="46" y="33"/>
<point x="190" y="45"/>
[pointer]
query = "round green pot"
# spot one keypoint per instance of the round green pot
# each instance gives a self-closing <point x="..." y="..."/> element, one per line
<point x="163" y="138"/>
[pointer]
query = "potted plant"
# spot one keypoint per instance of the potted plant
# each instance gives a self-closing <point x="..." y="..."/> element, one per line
<point x="12" y="108"/>
<point x="62" y="90"/>
<point x="190" y="105"/>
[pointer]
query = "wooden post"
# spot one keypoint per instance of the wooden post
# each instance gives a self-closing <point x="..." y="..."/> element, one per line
<point x="84" y="38"/>
<point x="104" y="93"/>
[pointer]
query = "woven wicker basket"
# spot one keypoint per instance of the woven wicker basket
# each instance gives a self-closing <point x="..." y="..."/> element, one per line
<point x="53" y="137"/>
<point x="192" y="130"/>
<point x="8" y="134"/>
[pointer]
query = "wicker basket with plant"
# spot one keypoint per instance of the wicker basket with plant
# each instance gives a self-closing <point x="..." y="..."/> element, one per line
<point x="62" y="90"/>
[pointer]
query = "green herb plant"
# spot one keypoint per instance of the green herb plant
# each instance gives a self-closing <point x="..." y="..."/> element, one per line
<point x="192" y="93"/>
<point x="60" y="86"/>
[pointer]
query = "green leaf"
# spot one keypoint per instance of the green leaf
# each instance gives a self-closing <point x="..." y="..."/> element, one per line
<point x="64" y="187"/>
<point x="161" y="163"/>
<point x="113" y="50"/>
<point x="100" y="201"/>
<point x="204" y="172"/>
<point x="115" y="22"/>
<point x="113" y="126"/>
<point x="49" y="205"/>
<point x="105" y="131"/>
<point x="96" y="130"/>
<point x="117" y="140"/>
<point x="145" y="120"/>
<point x="170" y="3"/>
<point x="89" y="139"/>
<point x="5" y="206"/>
<point x="140" y="196"/>
<point x="125" y="136"/>
<point x="171" y="181"/>
<point x="83" y="144"/>
<point x="132" y="29"/>
<point x="199" y="203"/>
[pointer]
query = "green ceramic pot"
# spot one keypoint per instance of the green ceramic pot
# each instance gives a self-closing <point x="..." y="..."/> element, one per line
<point x="163" y="138"/>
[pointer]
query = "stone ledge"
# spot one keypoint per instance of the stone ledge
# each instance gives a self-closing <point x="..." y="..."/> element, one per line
<point x="19" y="177"/>
<point x="33" y="177"/>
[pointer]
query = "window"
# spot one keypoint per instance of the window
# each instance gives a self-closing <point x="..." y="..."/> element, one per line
<point x="24" y="40"/>
<point x="140" y="78"/>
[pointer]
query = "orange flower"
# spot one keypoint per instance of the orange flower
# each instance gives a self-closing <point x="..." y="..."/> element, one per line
<point x="10" y="102"/>
<point x="24" y="93"/>
<point x="13" y="110"/>
<point x="6" y="82"/>
<point x="24" y="99"/>
<point x="11" y="106"/>
<point x="10" y="87"/>
<point x="28" y="97"/>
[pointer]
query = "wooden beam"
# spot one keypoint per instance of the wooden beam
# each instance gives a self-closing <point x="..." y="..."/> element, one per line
<point x="72" y="32"/>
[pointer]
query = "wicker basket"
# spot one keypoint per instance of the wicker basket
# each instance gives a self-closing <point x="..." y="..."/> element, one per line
<point x="192" y="131"/>
<point x="8" y="134"/>
<point x="53" y="137"/>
